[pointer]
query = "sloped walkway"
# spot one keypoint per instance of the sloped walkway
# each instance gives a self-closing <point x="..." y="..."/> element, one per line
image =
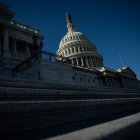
<point x="121" y="129"/>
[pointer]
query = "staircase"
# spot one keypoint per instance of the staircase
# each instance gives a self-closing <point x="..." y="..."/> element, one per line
<point x="32" y="104"/>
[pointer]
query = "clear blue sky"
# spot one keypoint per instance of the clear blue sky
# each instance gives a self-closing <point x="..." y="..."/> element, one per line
<point x="113" y="25"/>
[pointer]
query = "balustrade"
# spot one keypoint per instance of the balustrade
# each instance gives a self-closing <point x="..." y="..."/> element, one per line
<point x="20" y="57"/>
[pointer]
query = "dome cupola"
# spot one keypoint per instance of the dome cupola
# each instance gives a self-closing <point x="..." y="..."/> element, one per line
<point x="78" y="48"/>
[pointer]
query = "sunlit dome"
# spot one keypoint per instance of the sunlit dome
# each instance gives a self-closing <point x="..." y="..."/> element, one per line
<point x="73" y="37"/>
<point x="78" y="48"/>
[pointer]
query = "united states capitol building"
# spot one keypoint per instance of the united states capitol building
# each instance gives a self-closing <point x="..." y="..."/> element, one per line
<point x="76" y="62"/>
<point x="40" y="89"/>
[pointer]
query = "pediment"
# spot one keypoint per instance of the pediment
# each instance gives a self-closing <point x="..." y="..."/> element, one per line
<point x="128" y="71"/>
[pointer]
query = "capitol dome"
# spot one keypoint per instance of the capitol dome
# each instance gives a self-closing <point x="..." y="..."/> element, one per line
<point x="73" y="37"/>
<point x="78" y="48"/>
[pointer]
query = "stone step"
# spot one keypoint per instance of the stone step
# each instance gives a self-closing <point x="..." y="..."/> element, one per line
<point x="50" y="105"/>
<point x="14" y="93"/>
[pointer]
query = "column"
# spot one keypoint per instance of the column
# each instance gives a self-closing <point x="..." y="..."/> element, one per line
<point x="71" y="51"/>
<point x="14" y="45"/>
<point x="95" y="62"/>
<point x="115" y="82"/>
<point x="27" y="50"/>
<point x="92" y="63"/>
<point x="93" y="59"/>
<point x="82" y="62"/>
<point x="132" y="83"/>
<point x="129" y="83"/>
<point x="87" y="62"/>
<point x="0" y="44"/>
<point x="110" y="81"/>
<point x="5" y="39"/>
<point x="107" y="83"/>
<point x="99" y="62"/>
<point x="123" y="82"/>
<point x="75" y="50"/>
<point x="126" y="83"/>
<point x="90" y="60"/>
<point x="72" y="61"/>
<point x="77" y="61"/>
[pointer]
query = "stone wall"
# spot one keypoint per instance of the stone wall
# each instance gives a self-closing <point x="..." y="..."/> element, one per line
<point x="55" y="72"/>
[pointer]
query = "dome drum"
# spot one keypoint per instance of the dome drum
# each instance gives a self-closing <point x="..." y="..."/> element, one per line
<point x="87" y="61"/>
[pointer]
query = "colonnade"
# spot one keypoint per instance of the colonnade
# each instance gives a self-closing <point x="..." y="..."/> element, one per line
<point x="6" y="45"/>
<point x="87" y="61"/>
<point x="112" y="81"/>
<point x="129" y="82"/>
<point x="71" y="50"/>
<point x="118" y="82"/>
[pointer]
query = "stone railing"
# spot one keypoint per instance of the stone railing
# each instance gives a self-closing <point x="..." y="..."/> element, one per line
<point x="20" y="57"/>
<point x="24" y="27"/>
